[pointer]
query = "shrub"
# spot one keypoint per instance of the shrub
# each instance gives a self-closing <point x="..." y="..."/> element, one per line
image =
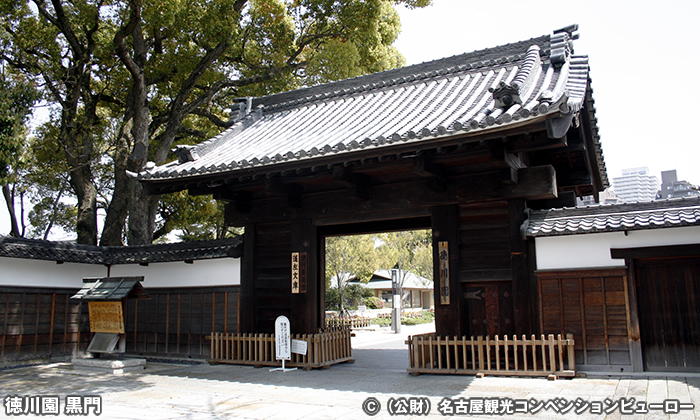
<point x="375" y="303"/>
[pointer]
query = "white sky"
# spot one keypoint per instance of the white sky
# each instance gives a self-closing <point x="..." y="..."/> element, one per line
<point x="644" y="58"/>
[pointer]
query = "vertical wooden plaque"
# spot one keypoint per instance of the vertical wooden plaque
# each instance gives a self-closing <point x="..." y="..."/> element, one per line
<point x="295" y="272"/>
<point x="444" y="255"/>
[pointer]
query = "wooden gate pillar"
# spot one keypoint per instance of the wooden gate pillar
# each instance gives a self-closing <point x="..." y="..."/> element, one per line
<point x="246" y="300"/>
<point x="448" y="302"/>
<point x="306" y="309"/>
<point x="519" y="268"/>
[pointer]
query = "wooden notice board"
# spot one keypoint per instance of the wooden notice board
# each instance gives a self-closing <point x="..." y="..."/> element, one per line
<point x="106" y="317"/>
<point x="444" y="256"/>
<point x="299" y="272"/>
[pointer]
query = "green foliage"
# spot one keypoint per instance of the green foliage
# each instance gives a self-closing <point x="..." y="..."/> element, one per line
<point x="357" y="294"/>
<point x="423" y="317"/>
<point x="353" y="295"/>
<point x="382" y="322"/>
<point x="196" y="56"/>
<point x="408" y="251"/>
<point x="17" y="96"/>
<point x="375" y="303"/>
<point x="350" y="256"/>
<point x="332" y="300"/>
<point x="407" y="318"/>
<point x="196" y="217"/>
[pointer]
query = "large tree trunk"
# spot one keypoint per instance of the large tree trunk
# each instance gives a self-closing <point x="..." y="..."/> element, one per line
<point x="141" y="216"/>
<point x="14" y="229"/>
<point x="84" y="188"/>
<point x="133" y="57"/>
<point x="121" y="197"/>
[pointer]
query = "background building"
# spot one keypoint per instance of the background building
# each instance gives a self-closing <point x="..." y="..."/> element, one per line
<point x="636" y="185"/>
<point x="671" y="187"/>
<point x="604" y="197"/>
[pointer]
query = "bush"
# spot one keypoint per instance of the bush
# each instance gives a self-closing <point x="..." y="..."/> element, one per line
<point x="382" y="322"/>
<point x="408" y="318"/>
<point x="375" y="303"/>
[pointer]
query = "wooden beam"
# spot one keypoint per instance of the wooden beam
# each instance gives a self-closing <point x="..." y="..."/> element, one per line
<point x="570" y="179"/>
<point x="436" y="174"/>
<point x="671" y="251"/>
<point x="356" y="183"/>
<point x="291" y="193"/>
<point x="532" y="142"/>
<point x="424" y="167"/>
<point x="565" y="199"/>
<point x="406" y="198"/>
<point x="239" y="201"/>
<point x="510" y="162"/>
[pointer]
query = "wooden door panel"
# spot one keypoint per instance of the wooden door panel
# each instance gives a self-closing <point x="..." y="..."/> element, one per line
<point x="489" y="308"/>
<point x="669" y="312"/>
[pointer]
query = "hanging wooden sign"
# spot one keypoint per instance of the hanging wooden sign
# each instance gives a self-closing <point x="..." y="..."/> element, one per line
<point x="299" y="272"/>
<point x="303" y="266"/>
<point x="106" y="317"/>
<point x="444" y="257"/>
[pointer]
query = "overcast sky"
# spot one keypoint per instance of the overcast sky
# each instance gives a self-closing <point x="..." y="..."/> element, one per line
<point x="644" y="58"/>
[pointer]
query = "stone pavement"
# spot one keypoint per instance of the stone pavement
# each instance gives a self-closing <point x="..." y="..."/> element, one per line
<point x="179" y="391"/>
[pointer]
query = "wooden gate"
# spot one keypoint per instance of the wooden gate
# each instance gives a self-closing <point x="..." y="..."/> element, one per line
<point x="668" y="293"/>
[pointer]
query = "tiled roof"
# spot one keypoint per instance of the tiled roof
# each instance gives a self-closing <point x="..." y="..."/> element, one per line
<point x="478" y="92"/>
<point x="111" y="288"/>
<point x="614" y="218"/>
<point x="86" y="254"/>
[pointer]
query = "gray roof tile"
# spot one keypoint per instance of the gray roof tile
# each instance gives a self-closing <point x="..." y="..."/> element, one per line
<point x="111" y="288"/>
<point x="614" y="218"/>
<point x="86" y="254"/>
<point x="479" y="91"/>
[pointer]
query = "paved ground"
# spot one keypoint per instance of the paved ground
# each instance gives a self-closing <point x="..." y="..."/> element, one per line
<point x="165" y="391"/>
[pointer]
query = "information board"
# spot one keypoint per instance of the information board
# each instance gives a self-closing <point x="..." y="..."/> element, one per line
<point x="106" y="317"/>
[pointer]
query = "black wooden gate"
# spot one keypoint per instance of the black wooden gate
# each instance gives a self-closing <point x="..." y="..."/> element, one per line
<point x="668" y="294"/>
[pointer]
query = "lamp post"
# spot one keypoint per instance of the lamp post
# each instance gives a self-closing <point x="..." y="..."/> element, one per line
<point x="396" y="301"/>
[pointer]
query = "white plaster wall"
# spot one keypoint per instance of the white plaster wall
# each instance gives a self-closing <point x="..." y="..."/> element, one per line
<point x="38" y="273"/>
<point x="217" y="272"/>
<point x="593" y="249"/>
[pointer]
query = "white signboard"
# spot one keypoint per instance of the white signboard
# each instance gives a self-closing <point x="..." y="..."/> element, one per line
<point x="299" y="346"/>
<point x="283" y="339"/>
<point x="397" y="301"/>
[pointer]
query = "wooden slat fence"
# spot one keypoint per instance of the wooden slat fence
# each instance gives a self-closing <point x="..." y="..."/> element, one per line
<point x="546" y="356"/>
<point x="323" y="349"/>
<point x="334" y="324"/>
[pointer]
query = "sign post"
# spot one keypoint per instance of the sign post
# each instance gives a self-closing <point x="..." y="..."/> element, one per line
<point x="283" y="342"/>
<point x="396" y="301"/>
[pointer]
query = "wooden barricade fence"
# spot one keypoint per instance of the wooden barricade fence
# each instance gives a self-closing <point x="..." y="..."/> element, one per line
<point x="323" y="349"/>
<point x="335" y="324"/>
<point x="480" y="356"/>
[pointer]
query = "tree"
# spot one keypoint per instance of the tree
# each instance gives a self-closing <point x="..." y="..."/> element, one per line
<point x="231" y="49"/>
<point x="17" y="97"/>
<point x="349" y="257"/>
<point x="168" y="71"/>
<point x="409" y="252"/>
<point x="58" y="45"/>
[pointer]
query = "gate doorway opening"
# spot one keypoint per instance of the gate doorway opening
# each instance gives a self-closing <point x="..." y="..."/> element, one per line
<point x="366" y="265"/>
